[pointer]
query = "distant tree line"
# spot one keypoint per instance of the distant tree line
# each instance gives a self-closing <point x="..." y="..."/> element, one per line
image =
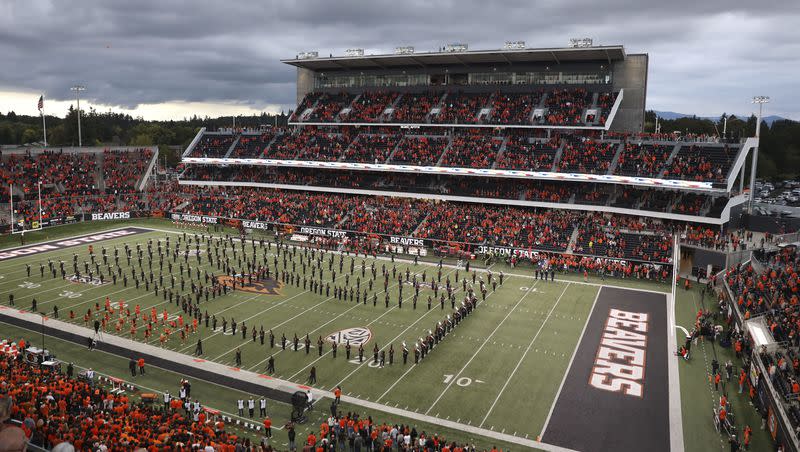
<point x="117" y="129"/>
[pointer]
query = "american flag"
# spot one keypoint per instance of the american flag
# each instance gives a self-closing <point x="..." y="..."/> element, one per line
<point x="41" y="102"/>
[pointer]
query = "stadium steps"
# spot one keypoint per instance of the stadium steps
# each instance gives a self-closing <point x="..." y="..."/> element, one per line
<point x="557" y="157"/>
<point x="416" y="229"/>
<point x="446" y="150"/>
<point x="99" y="180"/>
<point x="233" y="146"/>
<point x="180" y="206"/>
<point x="438" y="105"/>
<point x="267" y="146"/>
<point x="613" y="166"/>
<point x="668" y="163"/>
<point x="500" y="151"/>
<point x="393" y="106"/>
<point x="572" y="240"/>
<point x="337" y="118"/>
<point x="391" y="156"/>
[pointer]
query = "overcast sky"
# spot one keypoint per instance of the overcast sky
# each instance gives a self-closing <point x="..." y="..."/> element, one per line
<point x="166" y="59"/>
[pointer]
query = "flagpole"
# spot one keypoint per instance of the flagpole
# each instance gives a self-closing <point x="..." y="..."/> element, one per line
<point x="44" y="125"/>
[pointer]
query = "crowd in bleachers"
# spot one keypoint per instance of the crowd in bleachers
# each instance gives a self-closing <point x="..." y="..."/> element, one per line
<point x="772" y="291"/>
<point x="122" y="169"/>
<point x="367" y="148"/>
<point x="370" y="106"/>
<point x="583" y="155"/>
<point x="461" y="108"/>
<point x="472" y="151"/>
<point x="53" y="408"/>
<point x="702" y="163"/>
<point x="562" y="107"/>
<point x="521" y="154"/>
<point x="642" y="160"/>
<point x="213" y="146"/>
<point x="420" y="150"/>
<point x="252" y="145"/>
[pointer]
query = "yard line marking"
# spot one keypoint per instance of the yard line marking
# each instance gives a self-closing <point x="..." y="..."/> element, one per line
<point x="455" y="378"/>
<point x="572" y="358"/>
<point x="329" y="321"/>
<point x="390" y="342"/>
<point x="368" y="324"/>
<point x="519" y="363"/>
<point x="415" y="365"/>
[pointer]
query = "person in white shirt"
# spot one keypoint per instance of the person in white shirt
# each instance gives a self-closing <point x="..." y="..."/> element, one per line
<point x="251" y="406"/>
<point x="167" y="398"/>
<point x="240" y="405"/>
<point x="90" y="376"/>
<point x="310" y="399"/>
<point x="262" y="405"/>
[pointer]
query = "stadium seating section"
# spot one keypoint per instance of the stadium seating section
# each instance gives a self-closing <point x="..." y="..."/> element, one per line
<point x="558" y="107"/>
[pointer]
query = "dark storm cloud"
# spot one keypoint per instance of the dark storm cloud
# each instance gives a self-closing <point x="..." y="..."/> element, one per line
<point x="706" y="57"/>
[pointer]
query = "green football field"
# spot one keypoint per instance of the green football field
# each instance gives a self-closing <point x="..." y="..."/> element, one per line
<point x="501" y="368"/>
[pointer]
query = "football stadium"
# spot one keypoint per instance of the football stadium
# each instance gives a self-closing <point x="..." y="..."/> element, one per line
<point x="436" y="250"/>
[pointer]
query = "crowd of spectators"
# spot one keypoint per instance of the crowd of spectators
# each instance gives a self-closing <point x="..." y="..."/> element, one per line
<point x="642" y="160"/>
<point x="510" y="109"/>
<point x="461" y="108"/>
<point x="701" y="163"/>
<point x="53" y="408"/>
<point x="370" y="106"/>
<point x="521" y="154"/>
<point x="122" y="169"/>
<point x="566" y="106"/>
<point x="472" y="150"/>
<point x="213" y="146"/>
<point x="562" y="106"/>
<point x="369" y="148"/>
<point x="251" y="146"/>
<point x="420" y="150"/>
<point x="583" y="155"/>
<point x="771" y="289"/>
<point x="413" y="108"/>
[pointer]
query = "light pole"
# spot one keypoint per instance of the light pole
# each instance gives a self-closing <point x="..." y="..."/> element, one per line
<point x="78" y="89"/>
<point x="760" y="100"/>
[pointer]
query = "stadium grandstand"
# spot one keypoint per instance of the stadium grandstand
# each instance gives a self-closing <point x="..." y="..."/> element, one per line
<point x="615" y="288"/>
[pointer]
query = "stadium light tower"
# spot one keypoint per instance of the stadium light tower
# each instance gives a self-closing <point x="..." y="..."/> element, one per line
<point x="760" y="100"/>
<point x="78" y="89"/>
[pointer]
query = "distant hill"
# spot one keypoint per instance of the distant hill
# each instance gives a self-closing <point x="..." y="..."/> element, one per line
<point x="673" y="115"/>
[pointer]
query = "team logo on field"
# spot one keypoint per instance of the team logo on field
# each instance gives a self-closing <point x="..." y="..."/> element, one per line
<point x="266" y="287"/>
<point x="356" y="336"/>
<point x="86" y="280"/>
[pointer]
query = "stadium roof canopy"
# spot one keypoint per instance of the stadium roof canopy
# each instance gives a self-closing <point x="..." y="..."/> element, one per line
<point x="466" y="58"/>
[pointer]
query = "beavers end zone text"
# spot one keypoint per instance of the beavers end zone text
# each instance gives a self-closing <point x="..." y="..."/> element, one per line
<point x="621" y="367"/>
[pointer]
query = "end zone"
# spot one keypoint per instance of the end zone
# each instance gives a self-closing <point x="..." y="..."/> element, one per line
<point x="616" y="393"/>
<point x="54" y="245"/>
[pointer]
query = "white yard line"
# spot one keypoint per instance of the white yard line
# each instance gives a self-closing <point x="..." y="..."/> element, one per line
<point x="456" y="376"/>
<point x="368" y="324"/>
<point x="519" y="363"/>
<point x="569" y="366"/>
<point x="413" y="366"/>
<point x="384" y="347"/>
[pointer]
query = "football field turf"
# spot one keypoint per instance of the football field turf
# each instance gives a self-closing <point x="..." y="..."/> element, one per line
<point x="504" y="368"/>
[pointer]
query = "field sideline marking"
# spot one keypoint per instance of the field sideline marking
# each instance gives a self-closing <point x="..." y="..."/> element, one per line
<point x="455" y="377"/>
<point x="569" y="367"/>
<point x="676" y="439"/>
<point x="519" y="363"/>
